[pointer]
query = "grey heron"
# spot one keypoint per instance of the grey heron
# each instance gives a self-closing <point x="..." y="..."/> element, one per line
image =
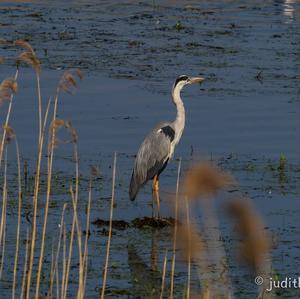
<point x="158" y="147"/>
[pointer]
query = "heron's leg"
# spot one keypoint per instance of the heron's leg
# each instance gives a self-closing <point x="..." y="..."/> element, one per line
<point x="155" y="192"/>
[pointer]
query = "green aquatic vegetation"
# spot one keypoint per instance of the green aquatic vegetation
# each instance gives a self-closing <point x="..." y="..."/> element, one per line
<point x="282" y="162"/>
<point x="119" y="292"/>
<point x="231" y="51"/>
<point x="250" y="167"/>
<point x="114" y="264"/>
<point x="178" y="26"/>
<point x="271" y="167"/>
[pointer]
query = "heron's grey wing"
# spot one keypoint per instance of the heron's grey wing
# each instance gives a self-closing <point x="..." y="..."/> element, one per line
<point x="151" y="157"/>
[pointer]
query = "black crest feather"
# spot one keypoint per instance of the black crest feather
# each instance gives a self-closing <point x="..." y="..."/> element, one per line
<point x="180" y="78"/>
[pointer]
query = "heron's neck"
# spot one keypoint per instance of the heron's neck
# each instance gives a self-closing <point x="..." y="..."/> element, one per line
<point x="180" y="117"/>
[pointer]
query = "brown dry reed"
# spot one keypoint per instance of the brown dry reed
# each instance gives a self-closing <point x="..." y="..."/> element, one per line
<point x="204" y="180"/>
<point x="25" y="45"/>
<point x="58" y="124"/>
<point x="10" y="134"/>
<point x="29" y="56"/>
<point x="189" y="242"/>
<point x="255" y="243"/>
<point x="102" y="293"/>
<point x="8" y="87"/>
<point x="68" y="82"/>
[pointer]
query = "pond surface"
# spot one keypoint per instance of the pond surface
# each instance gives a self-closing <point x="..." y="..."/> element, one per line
<point x="244" y="117"/>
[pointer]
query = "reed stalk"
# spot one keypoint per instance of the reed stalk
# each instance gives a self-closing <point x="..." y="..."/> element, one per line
<point x="3" y="214"/>
<point x="64" y="259"/>
<point x="57" y="252"/>
<point x="87" y="228"/>
<point x="25" y="265"/>
<point x="81" y="268"/>
<point x="73" y="222"/>
<point x="19" y="220"/>
<point x="110" y="227"/>
<point x="35" y="202"/>
<point x="7" y="119"/>
<point x="48" y="193"/>
<point x="163" y="276"/>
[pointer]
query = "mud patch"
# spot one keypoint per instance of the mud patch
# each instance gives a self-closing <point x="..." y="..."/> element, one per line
<point x="116" y="224"/>
<point x="140" y="223"/>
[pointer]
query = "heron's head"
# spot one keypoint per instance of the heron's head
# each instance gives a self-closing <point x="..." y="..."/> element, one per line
<point x="183" y="80"/>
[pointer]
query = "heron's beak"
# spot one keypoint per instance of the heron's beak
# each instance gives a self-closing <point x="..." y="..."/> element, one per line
<point x="196" y="80"/>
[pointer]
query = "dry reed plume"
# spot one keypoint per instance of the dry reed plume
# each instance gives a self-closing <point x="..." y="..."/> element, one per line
<point x="255" y="243"/>
<point x="68" y="82"/>
<point x="203" y="180"/>
<point x="8" y="87"/>
<point x="10" y="134"/>
<point x="29" y="56"/>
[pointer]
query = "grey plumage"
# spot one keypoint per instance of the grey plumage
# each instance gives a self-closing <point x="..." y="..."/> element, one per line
<point x="158" y="146"/>
<point x="152" y="157"/>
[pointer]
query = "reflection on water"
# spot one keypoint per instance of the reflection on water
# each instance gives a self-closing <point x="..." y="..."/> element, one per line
<point x="288" y="10"/>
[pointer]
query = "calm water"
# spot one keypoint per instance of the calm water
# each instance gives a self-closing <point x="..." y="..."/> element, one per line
<point x="243" y="117"/>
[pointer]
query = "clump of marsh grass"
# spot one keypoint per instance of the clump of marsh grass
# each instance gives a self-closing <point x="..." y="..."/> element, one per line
<point x="8" y="88"/>
<point x="30" y="58"/>
<point x="35" y="202"/>
<point x="66" y="83"/>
